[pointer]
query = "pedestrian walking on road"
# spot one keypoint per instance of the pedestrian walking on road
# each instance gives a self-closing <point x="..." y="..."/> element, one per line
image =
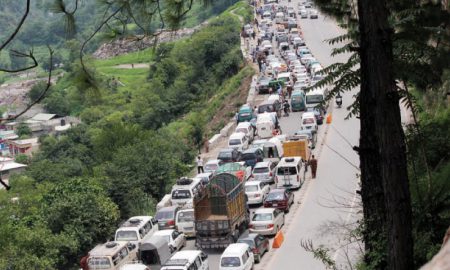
<point x="313" y="164"/>
<point x="200" y="165"/>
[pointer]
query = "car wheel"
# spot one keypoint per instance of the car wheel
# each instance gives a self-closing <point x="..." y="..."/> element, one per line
<point x="257" y="258"/>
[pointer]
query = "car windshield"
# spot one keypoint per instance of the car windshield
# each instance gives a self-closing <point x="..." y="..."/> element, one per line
<point x="234" y="142"/>
<point x="261" y="170"/>
<point x="287" y="170"/>
<point x="181" y="194"/>
<point x="251" y="188"/>
<point x="126" y="236"/>
<point x="164" y="215"/>
<point x="230" y="262"/>
<point x="262" y="217"/>
<point x="314" y="99"/>
<point x="296" y="98"/>
<point x="248" y="242"/>
<point x="99" y="263"/>
<point x="187" y="216"/>
<point x="246" y="157"/>
<point x="274" y="196"/>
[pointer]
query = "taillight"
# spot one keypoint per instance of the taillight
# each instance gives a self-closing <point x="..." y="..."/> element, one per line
<point x="269" y="226"/>
<point x="171" y="222"/>
<point x="257" y="195"/>
<point x="255" y="250"/>
<point x="250" y="226"/>
<point x="270" y="174"/>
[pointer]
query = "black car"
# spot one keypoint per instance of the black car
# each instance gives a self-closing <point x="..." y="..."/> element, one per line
<point x="252" y="156"/>
<point x="270" y="106"/>
<point x="229" y="155"/>
<point x="258" y="244"/>
<point x="318" y="113"/>
<point x="262" y="86"/>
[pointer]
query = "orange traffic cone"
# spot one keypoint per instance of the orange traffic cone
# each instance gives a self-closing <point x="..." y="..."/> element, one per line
<point x="278" y="240"/>
<point x="329" y="118"/>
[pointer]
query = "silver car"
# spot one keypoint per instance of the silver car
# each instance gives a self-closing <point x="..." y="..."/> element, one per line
<point x="264" y="171"/>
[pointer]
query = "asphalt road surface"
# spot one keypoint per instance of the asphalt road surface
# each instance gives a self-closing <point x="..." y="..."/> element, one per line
<point x="323" y="204"/>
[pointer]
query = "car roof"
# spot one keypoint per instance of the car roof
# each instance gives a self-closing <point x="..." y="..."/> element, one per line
<point x="252" y="183"/>
<point x="262" y="164"/>
<point x="250" y="236"/>
<point x="275" y="190"/>
<point x="237" y="135"/>
<point x="235" y="249"/>
<point x="251" y="151"/>
<point x="226" y="150"/>
<point x="243" y="124"/>
<point x="263" y="210"/>
<point x="213" y="161"/>
<point x="190" y="255"/>
<point x="164" y="232"/>
<point x="168" y="208"/>
<point x="308" y="115"/>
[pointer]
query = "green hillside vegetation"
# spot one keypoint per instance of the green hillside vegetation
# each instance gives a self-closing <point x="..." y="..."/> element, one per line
<point x="134" y="142"/>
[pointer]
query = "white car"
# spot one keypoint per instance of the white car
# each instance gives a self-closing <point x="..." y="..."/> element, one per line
<point x="256" y="191"/>
<point x="309" y="122"/>
<point x="212" y="165"/>
<point x="267" y="221"/>
<point x="264" y="171"/>
<point x="175" y="239"/>
<point x="313" y="14"/>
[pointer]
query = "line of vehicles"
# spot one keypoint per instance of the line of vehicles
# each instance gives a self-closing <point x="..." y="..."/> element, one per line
<point x="259" y="167"/>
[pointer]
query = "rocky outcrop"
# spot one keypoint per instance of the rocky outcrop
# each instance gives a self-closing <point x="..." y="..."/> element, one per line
<point x="138" y="43"/>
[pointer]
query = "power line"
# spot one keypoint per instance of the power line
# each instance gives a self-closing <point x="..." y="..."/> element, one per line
<point x="341" y="156"/>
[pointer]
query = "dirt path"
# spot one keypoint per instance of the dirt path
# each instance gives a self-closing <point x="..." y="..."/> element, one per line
<point x="130" y="66"/>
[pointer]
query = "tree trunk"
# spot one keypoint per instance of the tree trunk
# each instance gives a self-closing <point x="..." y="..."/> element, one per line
<point x="384" y="141"/>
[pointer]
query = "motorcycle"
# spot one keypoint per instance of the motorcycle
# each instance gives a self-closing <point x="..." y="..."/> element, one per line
<point x="339" y="101"/>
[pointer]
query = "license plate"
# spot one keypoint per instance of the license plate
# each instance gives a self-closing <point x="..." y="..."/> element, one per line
<point x="275" y="204"/>
<point x="260" y="227"/>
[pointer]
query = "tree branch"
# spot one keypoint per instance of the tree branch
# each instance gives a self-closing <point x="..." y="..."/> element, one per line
<point x="20" y="54"/>
<point x="41" y="96"/>
<point x="13" y="35"/>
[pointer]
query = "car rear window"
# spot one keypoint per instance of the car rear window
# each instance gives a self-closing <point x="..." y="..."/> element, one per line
<point x="230" y="262"/>
<point x="248" y="157"/>
<point x="308" y="121"/>
<point x="261" y="170"/>
<point x="164" y="215"/>
<point x="274" y="196"/>
<point x="234" y="142"/>
<point x="287" y="170"/>
<point x="262" y="217"/>
<point x="186" y="216"/>
<point x="181" y="194"/>
<point x="265" y="108"/>
<point x="248" y="242"/>
<point x="251" y="188"/>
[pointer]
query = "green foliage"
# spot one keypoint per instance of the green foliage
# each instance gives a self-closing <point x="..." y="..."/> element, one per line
<point x="23" y="130"/>
<point x="21" y="158"/>
<point x="36" y="91"/>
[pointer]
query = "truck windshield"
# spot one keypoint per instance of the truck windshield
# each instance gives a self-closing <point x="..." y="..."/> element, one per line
<point x="314" y="99"/>
<point x="163" y="215"/>
<point x="126" y="236"/>
<point x="181" y="194"/>
<point x="230" y="262"/>
<point x="187" y="216"/>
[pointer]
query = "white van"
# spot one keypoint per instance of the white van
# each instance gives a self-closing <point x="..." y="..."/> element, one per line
<point x="185" y="222"/>
<point x="309" y="122"/>
<point x="238" y="141"/>
<point x="315" y="97"/>
<point x="246" y="128"/>
<point x="273" y="150"/>
<point x="184" y="191"/>
<point x="265" y="125"/>
<point x="135" y="229"/>
<point x="237" y="257"/>
<point x="111" y="255"/>
<point x="187" y="260"/>
<point x="288" y="173"/>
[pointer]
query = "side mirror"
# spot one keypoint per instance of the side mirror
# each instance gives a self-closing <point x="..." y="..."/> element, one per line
<point x="204" y="256"/>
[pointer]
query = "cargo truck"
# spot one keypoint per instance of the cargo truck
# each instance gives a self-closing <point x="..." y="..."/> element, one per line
<point x="221" y="212"/>
<point x="296" y="147"/>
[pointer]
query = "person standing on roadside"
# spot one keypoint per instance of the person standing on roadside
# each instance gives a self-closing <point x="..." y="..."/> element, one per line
<point x="200" y="165"/>
<point x="313" y="164"/>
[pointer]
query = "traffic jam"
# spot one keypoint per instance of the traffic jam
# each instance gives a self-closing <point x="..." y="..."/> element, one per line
<point x="237" y="204"/>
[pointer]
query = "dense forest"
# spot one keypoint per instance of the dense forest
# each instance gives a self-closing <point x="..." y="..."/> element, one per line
<point x="133" y="143"/>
